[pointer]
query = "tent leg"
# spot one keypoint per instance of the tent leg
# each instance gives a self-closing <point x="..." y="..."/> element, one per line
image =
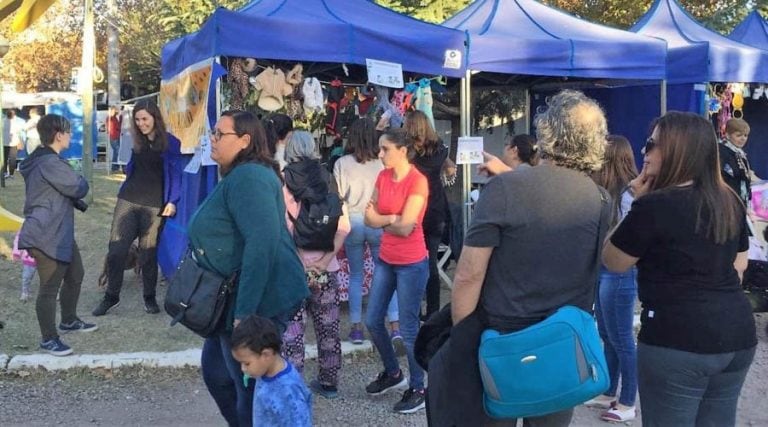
<point x="466" y="125"/>
<point x="663" y="97"/>
<point x="527" y="111"/>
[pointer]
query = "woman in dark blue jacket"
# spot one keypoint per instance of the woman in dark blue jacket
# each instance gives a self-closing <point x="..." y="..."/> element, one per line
<point x="53" y="190"/>
<point x="150" y="193"/>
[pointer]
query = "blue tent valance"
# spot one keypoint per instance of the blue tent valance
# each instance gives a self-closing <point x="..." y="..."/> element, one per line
<point x="338" y="31"/>
<point x="698" y="54"/>
<point x="526" y="37"/>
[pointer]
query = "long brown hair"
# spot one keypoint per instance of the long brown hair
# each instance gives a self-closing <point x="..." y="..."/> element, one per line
<point x="418" y="128"/>
<point x="618" y="169"/>
<point x="140" y="141"/>
<point x="257" y="151"/>
<point x="362" y="141"/>
<point x="689" y="152"/>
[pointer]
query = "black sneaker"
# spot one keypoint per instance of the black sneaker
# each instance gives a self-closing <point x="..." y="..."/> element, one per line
<point x="104" y="306"/>
<point x="384" y="383"/>
<point x="77" y="326"/>
<point x="327" y="391"/>
<point x="412" y="401"/>
<point x="150" y="305"/>
<point x="55" y="347"/>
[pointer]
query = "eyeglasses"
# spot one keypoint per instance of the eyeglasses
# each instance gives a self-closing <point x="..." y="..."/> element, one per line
<point x="217" y="134"/>
<point x="650" y="144"/>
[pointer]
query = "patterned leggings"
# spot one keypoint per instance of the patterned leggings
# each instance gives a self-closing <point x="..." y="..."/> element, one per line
<point x="323" y="306"/>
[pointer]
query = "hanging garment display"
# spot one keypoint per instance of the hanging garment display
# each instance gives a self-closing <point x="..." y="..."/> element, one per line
<point x="424" y="100"/>
<point x="238" y="81"/>
<point x="271" y="83"/>
<point x="313" y="94"/>
<point x="335" y="95"/>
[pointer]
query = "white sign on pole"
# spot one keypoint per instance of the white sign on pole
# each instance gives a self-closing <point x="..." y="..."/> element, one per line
<point x="452" y="59"/>
<point x="470" y="150"/>
<point x="384" y="73"/>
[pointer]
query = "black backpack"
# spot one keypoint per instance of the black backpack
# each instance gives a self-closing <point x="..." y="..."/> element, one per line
<point x="314" y="228"/>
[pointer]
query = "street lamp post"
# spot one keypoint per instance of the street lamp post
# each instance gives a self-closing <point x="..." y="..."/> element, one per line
<point x="4" y="46"/>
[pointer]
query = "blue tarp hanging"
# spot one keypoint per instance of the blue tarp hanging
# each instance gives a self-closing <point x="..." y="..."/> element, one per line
<point x="697" y="54"/>
<point x="338" y="31"/>
<point x="752" y="31"/>
<point x="526" y="37"/>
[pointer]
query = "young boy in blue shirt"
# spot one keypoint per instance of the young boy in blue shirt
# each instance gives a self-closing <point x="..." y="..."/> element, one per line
<point x="281" y="398"/>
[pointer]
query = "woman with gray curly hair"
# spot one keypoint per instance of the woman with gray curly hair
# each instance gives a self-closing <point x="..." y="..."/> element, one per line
<point x="532" y="247"/>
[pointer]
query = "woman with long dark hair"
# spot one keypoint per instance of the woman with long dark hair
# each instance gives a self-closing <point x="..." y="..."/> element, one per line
<point x="687" y="234"/>
<point x="278" y="128"/>
<point x="615" y="302"/>
<point x="150" y="192"/>
<point x="520" y="152"/>
<point x="356" y="175"/>
<point x="431" y="157"/>
<point x="241" y="227"/>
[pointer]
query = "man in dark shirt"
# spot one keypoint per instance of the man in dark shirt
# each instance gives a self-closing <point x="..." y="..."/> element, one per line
<point x="532" y="248"/>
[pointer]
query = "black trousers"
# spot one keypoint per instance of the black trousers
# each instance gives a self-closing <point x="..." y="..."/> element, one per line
<point x="52" y="274"/>
<point x="432" y="238"/>
<point x="9" y="165"/>
<point x="132" y="221"/>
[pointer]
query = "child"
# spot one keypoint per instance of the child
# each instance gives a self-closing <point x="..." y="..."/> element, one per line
<point x="281" y="398"/>
<point x="733" y="160"/>
<point x="29" y="267"/>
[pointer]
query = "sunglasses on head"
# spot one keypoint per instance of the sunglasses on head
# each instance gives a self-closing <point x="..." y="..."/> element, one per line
<point x="650" y="144"/>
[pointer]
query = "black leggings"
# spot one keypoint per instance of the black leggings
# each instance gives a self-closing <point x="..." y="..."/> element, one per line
<point x="433" y="238"/>
<point x="10" y="159"/>
<point x="132" y="221"/>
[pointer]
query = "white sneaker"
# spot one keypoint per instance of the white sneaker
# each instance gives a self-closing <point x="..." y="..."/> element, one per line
<point x="617" y="415"/>
<point x="602" y="402"/>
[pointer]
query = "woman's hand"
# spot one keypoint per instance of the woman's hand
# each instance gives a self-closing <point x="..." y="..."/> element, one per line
<point x="642" y="184"/>
<point x="169" y="210"/>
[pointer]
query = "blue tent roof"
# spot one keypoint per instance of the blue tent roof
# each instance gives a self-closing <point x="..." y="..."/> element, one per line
<point x="526" y="37"/>
<point x="753" y="31"/>
<point x="339" y="31"/>
<point x="697" y="54"/>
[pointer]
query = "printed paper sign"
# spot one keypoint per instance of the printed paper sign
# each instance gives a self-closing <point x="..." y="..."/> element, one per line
<point x="452" y="59"/>
<point x="384" y="73"/>
<point x="470" y="150"/>
<point x="205" y="149"/>
<point x="184" y="104"/>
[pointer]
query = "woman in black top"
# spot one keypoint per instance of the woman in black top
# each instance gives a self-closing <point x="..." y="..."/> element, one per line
<point x="431" y="159"/>
<point x="686" y="232"/>
<point x="149" y="193"/>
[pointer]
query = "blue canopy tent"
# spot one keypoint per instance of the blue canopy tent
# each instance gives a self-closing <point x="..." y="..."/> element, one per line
<point x="698" y="55"/>
<point x="753" y="31"/>
<point x="338" y="31"/>
<point x="332" y="31"/>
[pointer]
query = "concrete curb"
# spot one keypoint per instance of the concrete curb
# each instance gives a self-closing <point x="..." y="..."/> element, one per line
<point x="175" y="359"/>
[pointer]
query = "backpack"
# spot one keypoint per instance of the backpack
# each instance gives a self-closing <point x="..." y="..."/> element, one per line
<point x="314" y="228"/>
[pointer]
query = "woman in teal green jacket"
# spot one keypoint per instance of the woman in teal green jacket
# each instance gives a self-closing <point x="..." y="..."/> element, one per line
<point x="241" y="227"/>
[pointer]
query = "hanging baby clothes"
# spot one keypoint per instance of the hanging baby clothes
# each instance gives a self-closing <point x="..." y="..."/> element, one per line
<point x="271" y="83"/>
<point x="238" y="82"/>
<point x="313" y="94"/>
<point x="424" y="100"/>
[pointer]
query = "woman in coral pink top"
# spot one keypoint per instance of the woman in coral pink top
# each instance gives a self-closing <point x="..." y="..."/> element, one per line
<point x="398" y="205"/>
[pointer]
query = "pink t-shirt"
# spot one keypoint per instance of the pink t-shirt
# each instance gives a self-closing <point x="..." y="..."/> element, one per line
<point x="398" y="250"/>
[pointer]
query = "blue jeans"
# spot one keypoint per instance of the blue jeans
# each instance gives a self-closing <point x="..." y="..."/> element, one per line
<point x="615" y="309"/>
<point x="224" y="379"/>
<point x="115" y="145"/>
<point x="410" y="281"/>
<point x="354" y="247"/>
<point x="683" y="389"/>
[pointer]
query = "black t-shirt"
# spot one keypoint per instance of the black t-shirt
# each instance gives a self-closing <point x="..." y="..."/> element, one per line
<point x="431" y="166"/>
<point x="690" y="291"/>
<point x="145" y="184"/>
<point x="543" y="225"/>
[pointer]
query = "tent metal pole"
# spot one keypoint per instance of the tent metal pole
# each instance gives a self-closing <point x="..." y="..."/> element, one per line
<point x="663" y="97"/>
<point x="527" y="111"/>
<point x="219" y="98"/>
<point x="465" y="127"/>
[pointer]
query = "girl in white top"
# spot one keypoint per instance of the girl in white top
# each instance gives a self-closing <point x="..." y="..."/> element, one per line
<point x="356" y="175"/>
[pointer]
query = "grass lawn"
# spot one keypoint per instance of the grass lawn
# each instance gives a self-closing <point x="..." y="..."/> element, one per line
<point x="125" y="329"/>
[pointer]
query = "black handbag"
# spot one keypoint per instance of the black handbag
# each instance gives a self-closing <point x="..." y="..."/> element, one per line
<point x="197" y="298"/>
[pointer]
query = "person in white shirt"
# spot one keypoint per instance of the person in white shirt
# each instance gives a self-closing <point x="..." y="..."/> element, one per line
<point x="13" y="131"/>
<point x="30" y="129"/>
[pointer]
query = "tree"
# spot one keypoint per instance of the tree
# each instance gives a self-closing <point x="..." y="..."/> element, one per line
<point x="185" y="16"/>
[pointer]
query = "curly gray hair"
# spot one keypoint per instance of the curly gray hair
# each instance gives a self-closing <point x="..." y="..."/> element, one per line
<point x="300" y="145"/>
<point x="572" y="131"/>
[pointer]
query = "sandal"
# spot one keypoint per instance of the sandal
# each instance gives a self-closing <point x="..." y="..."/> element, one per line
<point x="602" y="402"/>
<point x="619" y="415"/>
